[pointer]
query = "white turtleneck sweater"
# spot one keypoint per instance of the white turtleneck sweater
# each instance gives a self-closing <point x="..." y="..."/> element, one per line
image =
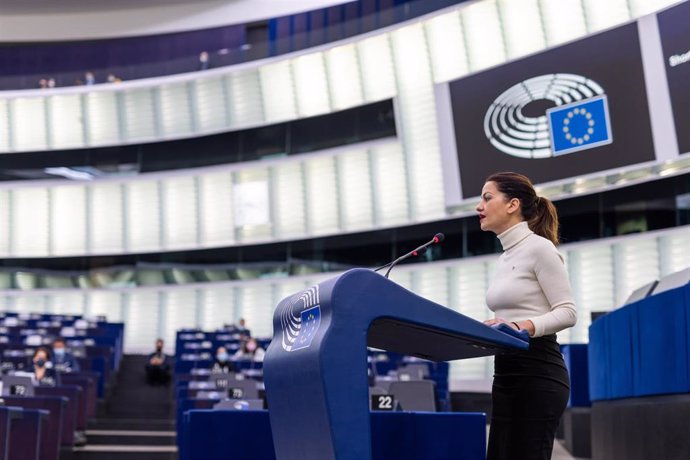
<point x="530" y="283"/>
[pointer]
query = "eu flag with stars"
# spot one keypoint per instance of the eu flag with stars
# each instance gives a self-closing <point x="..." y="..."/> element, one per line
<point x="579" y="126"/>
<point x="311" y="319"/>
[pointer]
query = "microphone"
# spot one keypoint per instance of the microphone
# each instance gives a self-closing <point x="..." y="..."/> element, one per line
<point x="437" y="239"/>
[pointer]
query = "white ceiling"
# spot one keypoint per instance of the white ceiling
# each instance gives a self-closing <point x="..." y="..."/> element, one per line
<point x="72" y="6"/>
<point x="57" y="20"/>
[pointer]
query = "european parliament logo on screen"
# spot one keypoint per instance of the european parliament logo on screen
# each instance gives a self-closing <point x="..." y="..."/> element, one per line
<point x="578" y="121"/>
<point x="579" y="126"/>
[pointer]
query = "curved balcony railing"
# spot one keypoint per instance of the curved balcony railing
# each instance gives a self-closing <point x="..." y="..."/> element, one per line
<point x="404" y="58"/>
<point x="225" y="46"/>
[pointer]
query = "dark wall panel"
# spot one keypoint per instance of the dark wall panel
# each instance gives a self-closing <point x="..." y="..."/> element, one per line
<point x="674" y="26"/>
<point x="611" y="59"/>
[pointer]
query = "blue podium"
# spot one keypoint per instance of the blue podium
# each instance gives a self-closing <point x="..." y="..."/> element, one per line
<point x="315" y="369"/>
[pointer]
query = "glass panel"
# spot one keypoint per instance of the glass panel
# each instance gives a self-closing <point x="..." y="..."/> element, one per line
<point x="417" y="115"/>
<point x="483" y="35"/>
<point x="30" y="225"/>
<point x="522" y="26"/>
<point x="636" y="263"/>
<point x="246" y="105"/>
<point x="673" y="252"/>
<point x="311" y="87"/>
<point x="176" y="110"/>
<point x="105" y="215"/>
<point x="142" y="321"/>
<point x="210" y="103"/>
<point x="592" y="282"/>
<point x="31" y="304"/>
<point x="5" y="224"/>
<point x="218" y="306"/>
<point x="180" y="212"/>
<point x="66" y="121"/>
<point x="139" y="114"/>
<point x="71" y="303"/>
<point x="215" y="192"/>
<point x="256" y="307"/>
<point x="642" y="7"/>
<point x="4" y="125"/>
<point x="322" y="195"/>
<point x="277" y="88"/>
<point x="344" y="77"/>
<point x="563" y="20"/>
<point x="68" y="215"/>
<point x="104" y="125"/>
<point x="446" y="47"/>
<point x="376" y="63"/>
<point x="602" y="15"/>
<point x="289" y="200"/>
<point x="251" y="207"/>
<point x="179" y="311"/>
<point x="143" y="216"/>
<point x="356" y="202"/>
<point x="432" y="284"/>
<point x="29" y="124"/>
<point x="391" y="185"/>
<point x="105" y="303"/>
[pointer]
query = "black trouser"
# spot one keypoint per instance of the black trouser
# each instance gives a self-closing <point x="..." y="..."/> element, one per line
<point x="157" y="375"/>
<point x="530" y="393"/>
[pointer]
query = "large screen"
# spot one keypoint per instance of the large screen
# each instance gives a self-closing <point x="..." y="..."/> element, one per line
<point x="674" y="27"/>
<point x="572" y="110"/>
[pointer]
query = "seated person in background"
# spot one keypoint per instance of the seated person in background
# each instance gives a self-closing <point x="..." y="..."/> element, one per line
<point x="250" y="350"/>
<point x="158" y="366"/>
<point x="42" y="368"/>
<point x="241" y="329"/>
<point x="222" y="365"/>
<point x="63" y="361"/>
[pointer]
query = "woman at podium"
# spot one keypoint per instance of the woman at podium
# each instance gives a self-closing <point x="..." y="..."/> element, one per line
<point x="530" y="290"/>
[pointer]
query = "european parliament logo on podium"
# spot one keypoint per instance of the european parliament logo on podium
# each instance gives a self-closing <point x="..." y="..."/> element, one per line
<point x="300" y="318"/>
<point x="580" y="125"/>
<point x="311" y="319"/>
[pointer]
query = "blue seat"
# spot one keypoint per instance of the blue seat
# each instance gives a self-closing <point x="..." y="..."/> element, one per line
<point x="575" y="357"/>
<point x="8" y="415"/>
<point x="598" y="359"/>
<point x="622" y="336"/>
<point x="642" y="349"/>
<point x="662" y="343"/>
<point x="55" y="405"/>
<point x="246" y="435"/>
<point x="74" y="395"/>
<point x="26" y="434"/>
<point x="186" y="404"/>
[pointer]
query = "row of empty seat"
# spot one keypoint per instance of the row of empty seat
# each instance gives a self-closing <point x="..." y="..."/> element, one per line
<point x="397" y="383"/>
<point x="41" y="421"/>
<point x="642" y="348"/>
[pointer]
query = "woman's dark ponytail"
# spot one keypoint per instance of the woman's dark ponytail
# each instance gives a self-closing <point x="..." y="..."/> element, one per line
<point x="539" y="212"/>
<point x="544" y="222"/>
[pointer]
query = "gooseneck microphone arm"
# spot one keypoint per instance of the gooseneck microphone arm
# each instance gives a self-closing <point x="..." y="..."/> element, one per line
<point x="414" y="253"/>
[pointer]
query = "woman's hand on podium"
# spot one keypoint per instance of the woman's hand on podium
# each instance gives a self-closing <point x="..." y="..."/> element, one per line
<point x="517" y="325"/>
<point x="493" y="322"/>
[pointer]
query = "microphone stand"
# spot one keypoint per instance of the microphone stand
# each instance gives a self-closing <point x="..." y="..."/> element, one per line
<point x="414" y="253"/>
